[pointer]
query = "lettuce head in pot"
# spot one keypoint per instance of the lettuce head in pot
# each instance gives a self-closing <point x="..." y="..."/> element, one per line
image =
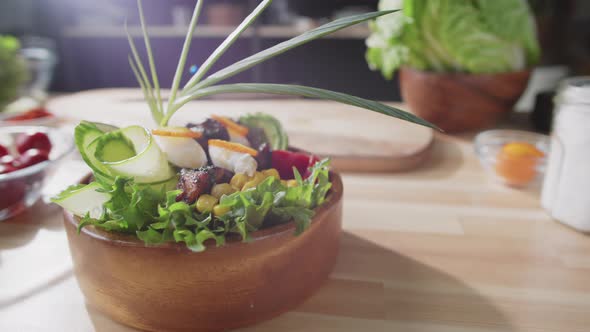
<point x="13" y="71"/>
<point x="471" y="36"/>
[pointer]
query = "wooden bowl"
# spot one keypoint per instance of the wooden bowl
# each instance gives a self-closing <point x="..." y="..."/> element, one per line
<point x="170" y="288"/>
<point x="459" y="102"/>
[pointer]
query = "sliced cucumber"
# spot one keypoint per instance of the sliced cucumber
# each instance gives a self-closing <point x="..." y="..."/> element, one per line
<point x="147" y="165"/>
<point x="83" y="199"/>
<point x="163" y="186"/>
<point x="105" y="128"/>
<point x="86" y="133"/>
<point x="114" y="146"/>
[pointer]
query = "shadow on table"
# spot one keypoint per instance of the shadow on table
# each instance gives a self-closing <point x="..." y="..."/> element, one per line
<point x="22" y="229"/>
<point x="445" y="159"/>
<point x="376" y="289"/>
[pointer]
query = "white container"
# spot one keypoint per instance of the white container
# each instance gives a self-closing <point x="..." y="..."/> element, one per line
<point x="566" y="188"/>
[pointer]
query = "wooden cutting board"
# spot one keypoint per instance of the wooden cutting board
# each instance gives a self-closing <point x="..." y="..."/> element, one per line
<point x="355" y="139"/>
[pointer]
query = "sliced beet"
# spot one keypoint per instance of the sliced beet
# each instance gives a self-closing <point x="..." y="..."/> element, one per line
<point x="211" y="129"/>
<point x="264" y="157"/>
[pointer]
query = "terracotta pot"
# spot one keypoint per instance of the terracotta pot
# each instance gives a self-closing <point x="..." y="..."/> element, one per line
<point x="224" y="14"/>
<point x="459" y="102"/>
<point x="170" y="288"/>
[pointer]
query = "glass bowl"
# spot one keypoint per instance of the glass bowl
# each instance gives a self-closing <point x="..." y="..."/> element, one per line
<point x="20" y="189"/>
<point x="522" y="170"/>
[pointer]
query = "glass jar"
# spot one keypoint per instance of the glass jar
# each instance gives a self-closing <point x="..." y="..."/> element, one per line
<point x="40" y="56"/>
<point x="566" y="187"/>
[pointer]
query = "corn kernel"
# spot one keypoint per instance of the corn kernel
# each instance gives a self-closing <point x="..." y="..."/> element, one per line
<point x="284" y="182"/>
<point x="219" y="210"/>
<point x="271" y="172"/>
<point x="221" y="189"/>
<point x="253" y="181"/>
<point x="239" y="180"/>
<point x="258" y="177"/>
<point x="292" y="183"/>
<point x="205" y="203"/>
<point x="249" y="184"/>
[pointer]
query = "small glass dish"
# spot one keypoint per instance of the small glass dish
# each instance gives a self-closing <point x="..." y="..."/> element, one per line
<point x="20" y="189"/>
<point x="523" y="169"/>
<point x="27" y="111"/>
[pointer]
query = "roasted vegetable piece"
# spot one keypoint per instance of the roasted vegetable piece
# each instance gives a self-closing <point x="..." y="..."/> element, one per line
<point x="193" y="183"/>
<point x="197" y="182"/>
<point x="264" y="157"/>
<point x="256" y="137"/>
<point x="220" y="175"/>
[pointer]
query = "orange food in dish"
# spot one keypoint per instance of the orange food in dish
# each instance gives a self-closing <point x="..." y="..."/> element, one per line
<point x="177" y="132"/>
<point x="516" y="163"/>
<point x="236" y="147"/>
<point x="231" y="125"/>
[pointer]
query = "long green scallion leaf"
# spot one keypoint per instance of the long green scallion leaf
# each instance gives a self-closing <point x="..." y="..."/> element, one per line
<point x="149" y="98"/>
<point x="142" y="77"/>
<point x="296" y="90"/>
<point x="185" y="49"/>
<point x="196" y="88"/>
<point x="223" y="47"/>
<point x="151" y="62"/>
<point x="269" y="53"/>
<point x="283" y="47"/>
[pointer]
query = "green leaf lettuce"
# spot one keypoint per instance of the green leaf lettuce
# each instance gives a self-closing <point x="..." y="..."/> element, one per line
<point x="474" y="36"/>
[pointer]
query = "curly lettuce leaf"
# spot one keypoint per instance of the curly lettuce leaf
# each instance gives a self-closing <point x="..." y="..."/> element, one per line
<point x="156" y="217"/>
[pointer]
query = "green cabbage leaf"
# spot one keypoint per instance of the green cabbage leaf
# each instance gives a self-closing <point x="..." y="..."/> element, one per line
<point x="472" y="36"/>
<point x="13" y="71"/>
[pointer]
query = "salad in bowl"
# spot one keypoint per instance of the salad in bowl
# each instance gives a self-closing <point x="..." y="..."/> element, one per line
<point x="207" y="180"/>
<point x="190" y="184"/>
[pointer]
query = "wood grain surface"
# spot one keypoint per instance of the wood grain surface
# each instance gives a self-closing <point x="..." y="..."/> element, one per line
<point x="440" y="248"/>
<point x="355" y="139"/>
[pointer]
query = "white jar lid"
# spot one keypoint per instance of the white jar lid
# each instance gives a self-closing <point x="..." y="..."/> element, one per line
<point x="575" y="90"/>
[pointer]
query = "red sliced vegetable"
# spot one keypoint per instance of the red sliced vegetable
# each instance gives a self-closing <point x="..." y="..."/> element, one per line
<point x="7" y="160"/>
<point x="31" y="157"/>
<point x="37" y="140"/>
<point x="7" y="168"/>
<point x="36" y="113"/>
<point x="284" y="161"/>
<point x="3" y="151"/>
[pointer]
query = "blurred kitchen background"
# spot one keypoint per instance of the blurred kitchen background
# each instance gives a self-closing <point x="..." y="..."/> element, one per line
<point x="89" y="41"/>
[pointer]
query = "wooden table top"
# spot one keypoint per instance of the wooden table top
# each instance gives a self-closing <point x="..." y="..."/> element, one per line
<point x="440" y="248"/>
